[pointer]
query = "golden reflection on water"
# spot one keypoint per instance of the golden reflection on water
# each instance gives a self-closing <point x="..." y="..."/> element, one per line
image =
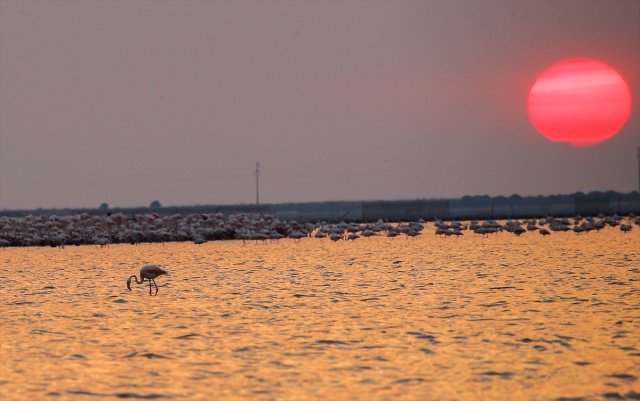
<point x="504" y="317"/>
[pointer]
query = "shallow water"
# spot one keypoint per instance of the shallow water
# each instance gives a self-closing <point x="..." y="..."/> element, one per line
<point x="504" y="317"/>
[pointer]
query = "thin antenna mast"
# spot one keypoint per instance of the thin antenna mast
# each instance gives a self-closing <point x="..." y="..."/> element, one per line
<point x="638" y="168"/>
<point x="257" y="174"/>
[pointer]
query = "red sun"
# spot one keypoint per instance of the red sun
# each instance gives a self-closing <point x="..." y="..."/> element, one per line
<point x="581" y="101"/>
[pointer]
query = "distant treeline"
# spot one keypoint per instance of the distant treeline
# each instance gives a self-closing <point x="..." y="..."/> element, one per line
<point x="465" y="208"/>
<point x="485" y="206"/>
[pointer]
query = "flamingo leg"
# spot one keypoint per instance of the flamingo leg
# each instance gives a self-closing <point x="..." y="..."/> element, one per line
<point x="154" y="283"/>
<point x="150" y="280"/>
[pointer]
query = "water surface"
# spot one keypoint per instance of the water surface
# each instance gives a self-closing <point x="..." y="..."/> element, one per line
<point x="504" y="317"/>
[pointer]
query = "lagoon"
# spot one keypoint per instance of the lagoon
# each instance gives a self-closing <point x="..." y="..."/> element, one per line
<point x="525" y="317"/>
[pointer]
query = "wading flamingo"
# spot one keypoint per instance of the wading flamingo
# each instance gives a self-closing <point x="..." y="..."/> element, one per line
<point x="149" y="272"/>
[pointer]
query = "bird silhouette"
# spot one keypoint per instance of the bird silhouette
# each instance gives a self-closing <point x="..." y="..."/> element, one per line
<point x="149" y="272"/>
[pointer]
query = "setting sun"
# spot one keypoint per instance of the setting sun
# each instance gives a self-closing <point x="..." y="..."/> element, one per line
<point x="581" y="101"/>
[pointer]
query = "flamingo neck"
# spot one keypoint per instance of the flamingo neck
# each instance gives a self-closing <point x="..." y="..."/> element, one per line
<point x="136" y="278"/>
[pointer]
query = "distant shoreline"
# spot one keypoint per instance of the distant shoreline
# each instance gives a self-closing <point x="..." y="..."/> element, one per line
<point x="465" y="208"/>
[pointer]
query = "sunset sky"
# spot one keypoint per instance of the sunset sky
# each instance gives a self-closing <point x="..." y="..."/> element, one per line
<point x="127" y="102"/>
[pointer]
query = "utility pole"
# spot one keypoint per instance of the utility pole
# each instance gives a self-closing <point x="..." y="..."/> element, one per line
<point x="257" y="174"/>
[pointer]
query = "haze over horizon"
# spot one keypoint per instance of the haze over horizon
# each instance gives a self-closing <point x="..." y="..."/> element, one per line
<point x="131" y="102"/>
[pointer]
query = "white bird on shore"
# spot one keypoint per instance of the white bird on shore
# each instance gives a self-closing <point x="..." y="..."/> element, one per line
<point x="149" y="272"/>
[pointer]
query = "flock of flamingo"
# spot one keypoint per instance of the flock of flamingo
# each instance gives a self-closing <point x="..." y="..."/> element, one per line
<point x="82" y="229"/>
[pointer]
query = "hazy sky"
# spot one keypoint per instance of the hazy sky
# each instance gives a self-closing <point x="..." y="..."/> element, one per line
<point x="127" y="102"/>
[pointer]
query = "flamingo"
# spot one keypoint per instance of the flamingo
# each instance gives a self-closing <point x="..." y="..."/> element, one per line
<point x="625" y="228"/>
<point x="335" y="237"/>
<point x="149" y="272"/>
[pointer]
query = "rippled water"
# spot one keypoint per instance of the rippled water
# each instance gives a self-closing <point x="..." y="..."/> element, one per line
<point x="504" y="317"/>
